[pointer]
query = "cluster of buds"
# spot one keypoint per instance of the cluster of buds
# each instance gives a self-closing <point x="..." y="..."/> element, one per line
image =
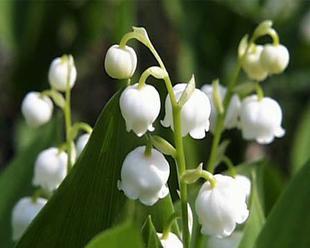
<point x="52" y="164"/>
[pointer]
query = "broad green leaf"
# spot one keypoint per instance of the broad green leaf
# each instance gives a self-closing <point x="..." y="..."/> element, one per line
<point x="288" y="224"/>
<point x="256" y="218"/>
<point x="125" y="235"/>
<point x="149" y="234"/>
<point x="15" y="180"/>
<point x="300" y="153"/>
<point x="88" y="201"/>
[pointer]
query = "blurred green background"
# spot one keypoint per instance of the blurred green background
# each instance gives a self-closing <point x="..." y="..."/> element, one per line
<point x="199" y="37"/>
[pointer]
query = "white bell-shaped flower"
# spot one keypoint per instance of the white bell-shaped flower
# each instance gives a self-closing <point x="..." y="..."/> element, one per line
<point x="274" y="58"/>
<point x="172" y="241"/>
<point x="144" y="177"/>
<point x="195" y="113"/>
<point x="244" y="183"/>
<point x="81" y="143"/>
<point x="58" y="74"/>
<point x="120" y="63"/>
<point x="231" y="241"/>
<point x="140" y="107"/>
<point x="37" y="109"/>
<point x="25" y="210"/>
<point x="219" y="209"/>
<point x="251" y="64"/>
<point x="260" y="120"/>
<point x="232" y="115"/>
<point x="50" y="169"/>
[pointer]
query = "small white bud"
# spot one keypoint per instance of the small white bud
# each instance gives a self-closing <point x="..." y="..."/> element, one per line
<point x="260" y="120"/>
<point x="81" y="143"/>
<point x="23" y="214"/>
<point x="120" y="63"/>
<point x="274" y="58"/>
<point x="172" y="241"/>
<point x="50" y="169"/>
<point x="232" y="241"/>
<point x="232" y="115"/>
<point x="195" y="113"/>
<point x="58" y="73"/>
<point x="140" y="108"/>
<point x="144" y="177"/>
<point x="252" y="64"/>
<point x="219" y="209"/>
<point x="37" y="109"/>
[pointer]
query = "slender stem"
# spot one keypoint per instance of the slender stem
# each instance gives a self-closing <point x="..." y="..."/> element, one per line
<point x="176" y="111"/>
<point x="68" y="120"/>
<point x="180" y="160"/>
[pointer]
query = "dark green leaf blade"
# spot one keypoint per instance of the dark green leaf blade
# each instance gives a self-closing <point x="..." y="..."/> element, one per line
<point x="125" y="235"/>
<point x="288" y="224"/>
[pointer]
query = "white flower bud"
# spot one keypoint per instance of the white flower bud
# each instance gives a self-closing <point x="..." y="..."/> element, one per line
<point x="244" y="184"/>
<point x="219" y="209"/>
<point x="232" y="115"/>
<point x="23" y="213"/>
<point x="144" y="177"/>
<point x="195" y="113"/>
<point x="50" y="169"/>
<point x="172" y="241"/>
<point x="252" y="64"/>
<point x="260" y="119"/>
<point x="274" y="58"/>
<point x="37" y="109"/>
<point x="81" y="143"/>
<point x="232" y="241"/>
<point x="140" y="108"/>
<point x="58" y="73"/>
<point x="120" y="63"/>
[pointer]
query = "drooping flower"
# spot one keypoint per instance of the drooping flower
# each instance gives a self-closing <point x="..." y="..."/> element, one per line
<point x="232" y="115"/>
<point x="171" y="241"/>
<point x="58" y="74"/>
<point x="231" y="241"/>
<point x="274" y="58"/>
<point x="252" y="65"/>
<point x="195" y="113"/>
<point x="219" y="209"/>
<point x="144" y="177"/>
<point x="37" y="109"/>
<point x="25" y="210"/>
<point x="260" y="120"/>
<point x="140" y="107"/>
<point x="81" y="143"/>
<point x="50" y="169"/>
<point x="120" y="63"/>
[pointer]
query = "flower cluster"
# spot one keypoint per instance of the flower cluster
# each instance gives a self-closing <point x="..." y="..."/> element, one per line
<point x="52" y="164"/>
<point x="222" y="201"/>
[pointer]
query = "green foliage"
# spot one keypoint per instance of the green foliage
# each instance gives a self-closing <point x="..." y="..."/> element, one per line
<point x="300" y="153"/>
<point x="15" y="181"/>
<point x="88" y="200"/>
<point x="125" y="235"/>
<point x="149" y="234"/>
<point x="288" y="224"/>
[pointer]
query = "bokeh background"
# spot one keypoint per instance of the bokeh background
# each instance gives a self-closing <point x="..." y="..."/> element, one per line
<point x="199" y="37"/>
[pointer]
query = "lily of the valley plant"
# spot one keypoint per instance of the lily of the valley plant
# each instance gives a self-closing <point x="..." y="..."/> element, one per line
<point x="222" y="201"/>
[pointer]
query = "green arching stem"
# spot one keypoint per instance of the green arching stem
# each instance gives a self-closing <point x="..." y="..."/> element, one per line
<point x="68" y="120"/>
<point x="219" y="123"/>
<point x="209" y="177"/>
<point x="259" y="91"/>
<point x="275" y="37"/>
<point x="168" y="226"/>
<point x="230" y="166"/>
<point x="176" y="112"/>
<point x="148" y="148"/>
